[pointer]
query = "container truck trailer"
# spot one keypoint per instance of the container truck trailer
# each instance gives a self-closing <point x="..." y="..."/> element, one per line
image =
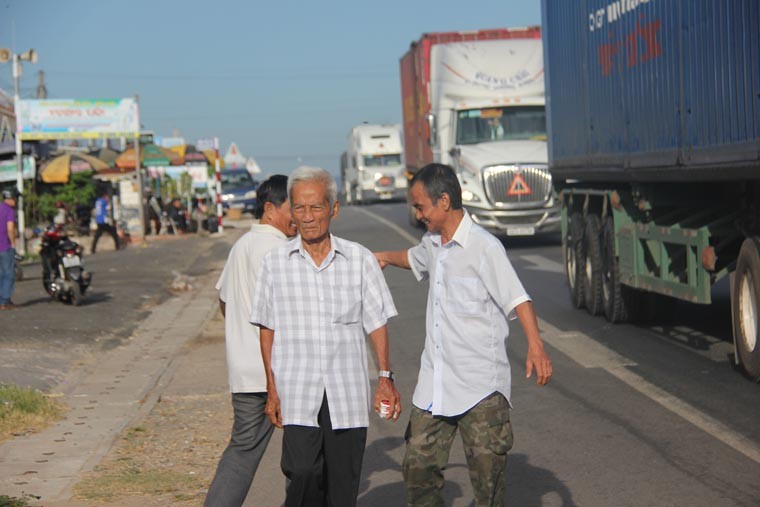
<point x="475" y="101"/>
<point x="653" y="112"/>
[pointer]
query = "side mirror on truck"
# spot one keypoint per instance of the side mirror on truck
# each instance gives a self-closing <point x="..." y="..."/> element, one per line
<point x="432" y="129"/>
<point x="455" y="152"/>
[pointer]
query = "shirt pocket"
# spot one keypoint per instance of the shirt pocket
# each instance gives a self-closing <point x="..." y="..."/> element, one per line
<point x="346" y="304"/>
<point x="466" y="295"/>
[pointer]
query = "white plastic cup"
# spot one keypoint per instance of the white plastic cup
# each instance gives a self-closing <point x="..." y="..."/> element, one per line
<point x="385" y="408"/>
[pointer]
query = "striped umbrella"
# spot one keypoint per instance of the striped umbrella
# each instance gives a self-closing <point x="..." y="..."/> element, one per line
<point x="60" y="169"/>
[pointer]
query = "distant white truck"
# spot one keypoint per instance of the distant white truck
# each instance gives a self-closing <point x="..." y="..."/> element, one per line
<point x="475" y="101"/>
<point x="371" y="166"/>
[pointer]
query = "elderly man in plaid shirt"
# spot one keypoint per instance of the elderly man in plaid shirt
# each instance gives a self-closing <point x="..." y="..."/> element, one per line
<point x="317" y="296"/>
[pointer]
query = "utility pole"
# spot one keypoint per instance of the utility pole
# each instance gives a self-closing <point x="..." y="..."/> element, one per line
<point x="30" y="56"/>
<point x="41" y="88"/>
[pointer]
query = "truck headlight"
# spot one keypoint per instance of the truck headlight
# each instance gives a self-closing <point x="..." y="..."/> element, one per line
<point x="251" y="194"/>
<point x="469" y="196"/>
<point x="228" y="197"/>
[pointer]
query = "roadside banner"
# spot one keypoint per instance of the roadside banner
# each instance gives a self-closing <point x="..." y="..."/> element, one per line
<point x="77" y="119"/>
<point x="9" y="170"/>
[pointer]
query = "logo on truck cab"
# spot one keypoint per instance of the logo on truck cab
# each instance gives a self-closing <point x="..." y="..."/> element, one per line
<point x="519" y="186"/>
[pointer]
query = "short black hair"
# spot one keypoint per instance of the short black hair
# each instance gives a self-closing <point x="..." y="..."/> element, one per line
<point x="274" y="190"/>
<point x="439" y="179"/>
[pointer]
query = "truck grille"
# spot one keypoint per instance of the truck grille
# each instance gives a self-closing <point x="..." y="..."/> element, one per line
<point x="508" y="185"/>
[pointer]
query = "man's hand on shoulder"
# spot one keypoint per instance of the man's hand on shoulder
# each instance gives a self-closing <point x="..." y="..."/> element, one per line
<point x="398" y="258"/>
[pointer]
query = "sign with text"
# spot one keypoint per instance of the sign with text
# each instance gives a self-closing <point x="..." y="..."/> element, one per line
<point x="9" y="169"/>
<point x="77" y="119"/>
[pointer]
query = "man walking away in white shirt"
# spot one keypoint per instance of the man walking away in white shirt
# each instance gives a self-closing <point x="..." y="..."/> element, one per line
<point x="251" y="429"/>
<point x="316" y="298"/>
<point x="464" y="381"/>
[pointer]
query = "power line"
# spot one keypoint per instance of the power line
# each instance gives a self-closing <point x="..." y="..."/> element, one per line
<point x="271" y="76"/>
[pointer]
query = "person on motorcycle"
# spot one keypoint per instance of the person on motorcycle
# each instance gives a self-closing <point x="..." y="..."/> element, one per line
<point x="102" y="217"/>
<point x="7" y="248"/>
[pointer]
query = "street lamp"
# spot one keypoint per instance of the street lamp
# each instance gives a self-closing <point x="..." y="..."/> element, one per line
<point x="31" y="57"/>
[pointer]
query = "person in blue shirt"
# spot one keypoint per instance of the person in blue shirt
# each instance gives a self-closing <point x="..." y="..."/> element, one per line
<point x="102" y="217"/>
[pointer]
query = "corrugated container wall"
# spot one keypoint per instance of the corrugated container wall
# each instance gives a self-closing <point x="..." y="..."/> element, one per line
<point x="653" y="90"/>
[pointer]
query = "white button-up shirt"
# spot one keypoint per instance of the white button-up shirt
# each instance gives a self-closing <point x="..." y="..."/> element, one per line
<point x="319" y="315"/>
<point x="473" y="292"/>
<point x="245" y="368"/>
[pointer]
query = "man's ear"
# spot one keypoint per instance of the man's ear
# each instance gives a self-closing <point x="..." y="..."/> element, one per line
<point x="446" y="201"/>
<point x="335" y="209"/>
<point x="268" y="207"/>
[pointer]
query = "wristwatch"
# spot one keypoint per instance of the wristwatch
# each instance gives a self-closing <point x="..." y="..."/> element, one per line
<point x="386" y="374"/>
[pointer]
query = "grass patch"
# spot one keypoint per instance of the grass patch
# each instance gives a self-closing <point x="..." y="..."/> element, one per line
<point x="13" y="501"/>
<point x="131" y="480"/>
<point x="24" y="410"/>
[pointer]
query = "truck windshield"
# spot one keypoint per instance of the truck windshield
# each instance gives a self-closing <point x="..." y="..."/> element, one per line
<point x="382" y="160"/>
<point x="516" y="123"/>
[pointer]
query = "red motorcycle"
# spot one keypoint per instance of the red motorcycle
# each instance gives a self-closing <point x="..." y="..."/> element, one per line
<point x="63" y="274"/>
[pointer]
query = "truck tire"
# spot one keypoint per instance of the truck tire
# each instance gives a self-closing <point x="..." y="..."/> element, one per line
<point x="347" y="190"/>
<point x="746" y="307"/>
<point x="575" y="255"/>
<point x="613" y="302"/>
<point x="592" y="272"/>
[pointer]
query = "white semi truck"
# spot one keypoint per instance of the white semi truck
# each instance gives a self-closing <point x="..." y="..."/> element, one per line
<point x="475" y="101"/>
<point x="371" y="166"/>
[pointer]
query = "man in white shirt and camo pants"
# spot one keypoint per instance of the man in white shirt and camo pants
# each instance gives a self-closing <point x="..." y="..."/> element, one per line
<point x="464" y="381"/>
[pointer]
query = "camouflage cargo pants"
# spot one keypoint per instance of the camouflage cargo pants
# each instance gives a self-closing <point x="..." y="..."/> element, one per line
<point x="487" y="436"/>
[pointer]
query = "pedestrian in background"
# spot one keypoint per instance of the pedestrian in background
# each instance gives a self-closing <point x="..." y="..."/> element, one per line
<point x="316" y="297"/>
<point x="7" y="248"/>
<point x="464" y="381"/>
<point x="251" y="429"/>
<point x="103" y="219"/>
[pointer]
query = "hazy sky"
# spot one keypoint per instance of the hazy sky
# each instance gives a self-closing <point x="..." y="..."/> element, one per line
<point x="285" y="80"/>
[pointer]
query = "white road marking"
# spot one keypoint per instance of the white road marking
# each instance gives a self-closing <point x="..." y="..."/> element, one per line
<point x="541" y="263"/>
<point x="401" y="232"/>
<point x="591" y="354"/>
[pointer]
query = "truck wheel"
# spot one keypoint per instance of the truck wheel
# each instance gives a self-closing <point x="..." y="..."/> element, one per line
<point x="347" y="190"/>
<point x="613" y="303"/>
<point x="746" y="307"/>
<point x="575" y="256"/>
<point x="592" y="272"/>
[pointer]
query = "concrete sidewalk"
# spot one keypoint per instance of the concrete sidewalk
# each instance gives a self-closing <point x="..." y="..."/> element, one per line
<point x="104" y="399"/>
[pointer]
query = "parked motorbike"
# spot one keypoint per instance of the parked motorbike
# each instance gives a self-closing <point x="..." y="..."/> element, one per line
<point x="63" y="274"/>
<point x="18" y="271"/>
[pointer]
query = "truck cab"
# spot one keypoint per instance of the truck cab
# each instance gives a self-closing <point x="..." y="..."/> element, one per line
<point x="475" y="101"/>
<point x="371" y="167"/>
<point x="500" y="155"/>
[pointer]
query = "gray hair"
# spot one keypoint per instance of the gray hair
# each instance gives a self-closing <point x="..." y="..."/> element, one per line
<point x="308" y="173"/>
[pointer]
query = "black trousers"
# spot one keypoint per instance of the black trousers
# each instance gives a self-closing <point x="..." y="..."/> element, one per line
<point x="323" y="465"/>
<point x="108" y="228"/>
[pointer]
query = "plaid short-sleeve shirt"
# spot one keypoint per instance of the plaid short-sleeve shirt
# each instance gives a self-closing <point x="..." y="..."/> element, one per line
<point x="320" y="315"/>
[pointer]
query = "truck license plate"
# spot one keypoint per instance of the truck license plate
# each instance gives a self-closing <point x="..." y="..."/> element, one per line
<point x="521" y="231"/>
